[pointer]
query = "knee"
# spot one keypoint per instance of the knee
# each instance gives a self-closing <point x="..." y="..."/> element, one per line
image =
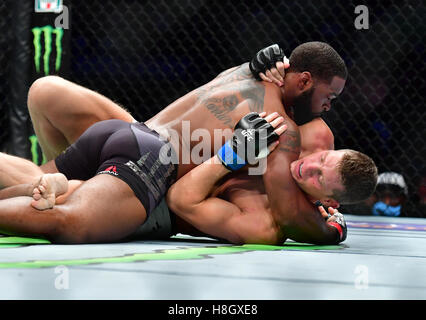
<point x="44" y="92"/>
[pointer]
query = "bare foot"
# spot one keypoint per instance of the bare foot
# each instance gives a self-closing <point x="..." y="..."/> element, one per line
<point x="50" y="186"/>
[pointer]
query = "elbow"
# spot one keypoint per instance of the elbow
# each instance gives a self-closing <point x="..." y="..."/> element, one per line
<point x="174" y="199"/>
<point x="179" y="202"/>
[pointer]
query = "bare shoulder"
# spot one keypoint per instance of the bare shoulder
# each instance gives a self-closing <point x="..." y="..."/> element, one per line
<point x="316" y="136"/>
<point x="317" y="127"/>
<point x="231" y="95"/>
<point x="238" y="72"/>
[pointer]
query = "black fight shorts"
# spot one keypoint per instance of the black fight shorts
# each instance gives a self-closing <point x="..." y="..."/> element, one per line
<point x="129" y="151"/>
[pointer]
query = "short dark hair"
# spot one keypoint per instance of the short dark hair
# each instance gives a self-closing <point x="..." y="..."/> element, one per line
<point x="358" y="174"/>
<point x="320" y="59"/>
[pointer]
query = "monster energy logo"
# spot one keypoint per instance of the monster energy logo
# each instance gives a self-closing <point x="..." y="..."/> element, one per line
<point x="47" y="32"/>
<point x="35" y="152"/>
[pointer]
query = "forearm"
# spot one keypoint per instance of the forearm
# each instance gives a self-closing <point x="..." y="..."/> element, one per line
<point x="321" y="234"/>
<point x="197" y="185"/>
<point x="190" y="199"/>
<point x="192" y="196"/>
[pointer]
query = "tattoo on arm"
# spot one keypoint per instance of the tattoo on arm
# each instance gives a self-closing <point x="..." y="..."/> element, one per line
<point x="239" y="86"/>
<point x="221" y="107"/>
<point x="255" y="97"/>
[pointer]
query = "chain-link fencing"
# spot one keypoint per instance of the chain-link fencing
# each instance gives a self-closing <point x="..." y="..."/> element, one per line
<point x="5" y="57"/>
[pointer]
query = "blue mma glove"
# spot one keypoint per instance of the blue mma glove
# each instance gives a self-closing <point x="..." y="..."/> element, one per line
<point x="249" y="143"/>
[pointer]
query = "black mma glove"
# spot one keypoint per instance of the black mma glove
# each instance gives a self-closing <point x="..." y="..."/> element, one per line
<point x="266" y="59"/>
<point x="252" y="136"/>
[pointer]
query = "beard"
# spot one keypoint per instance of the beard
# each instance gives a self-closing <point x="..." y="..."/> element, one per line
<point x="302" y="108"/>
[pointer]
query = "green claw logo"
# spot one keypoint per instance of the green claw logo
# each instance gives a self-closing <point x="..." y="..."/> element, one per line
<point x="47" y="32"/>
<point x="34" y="151"/>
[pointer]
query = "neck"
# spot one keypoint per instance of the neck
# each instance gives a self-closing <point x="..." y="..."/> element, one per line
<point x="287" y="101"/>
<point x="311" y="199"/>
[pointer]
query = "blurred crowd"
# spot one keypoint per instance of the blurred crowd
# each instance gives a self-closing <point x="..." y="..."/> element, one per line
<point x="390" y="197"/>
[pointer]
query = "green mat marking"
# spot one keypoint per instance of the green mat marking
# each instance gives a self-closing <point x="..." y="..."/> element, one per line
<point x="167" y="254"/>
<point x="22" y="240"/>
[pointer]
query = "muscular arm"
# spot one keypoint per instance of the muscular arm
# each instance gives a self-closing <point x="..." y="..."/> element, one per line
<point x="190" y="198"/>
<point x="312" y="229"/>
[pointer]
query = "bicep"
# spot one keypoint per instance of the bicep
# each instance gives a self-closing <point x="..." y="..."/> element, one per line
<point x="223" y="219"/>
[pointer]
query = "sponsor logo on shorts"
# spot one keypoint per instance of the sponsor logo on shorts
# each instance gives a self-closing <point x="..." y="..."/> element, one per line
<point x="110" y="170"/>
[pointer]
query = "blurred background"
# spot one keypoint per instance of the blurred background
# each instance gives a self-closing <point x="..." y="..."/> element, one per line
<point x="146" y="54"/>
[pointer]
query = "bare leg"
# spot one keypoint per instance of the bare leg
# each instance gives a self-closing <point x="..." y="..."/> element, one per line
<point x="28" y="191"/>
<point x="72" y="186"/>
<point x="15" y="170"/>
<point x="61" y="111"/>
<point x="17" y="191"/>
<point x="102" y="209"/>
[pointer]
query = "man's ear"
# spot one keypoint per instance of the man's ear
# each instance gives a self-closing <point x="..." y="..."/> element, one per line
<point x="305" y="81"/>
<point x="330" y="202"/>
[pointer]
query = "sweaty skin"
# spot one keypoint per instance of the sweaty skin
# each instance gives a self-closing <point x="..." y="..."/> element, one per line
<point x="238" y="208"/>
<point x="64" y="111"/>
<point x="216" y="105"/>
<point x="222" y="103"/>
